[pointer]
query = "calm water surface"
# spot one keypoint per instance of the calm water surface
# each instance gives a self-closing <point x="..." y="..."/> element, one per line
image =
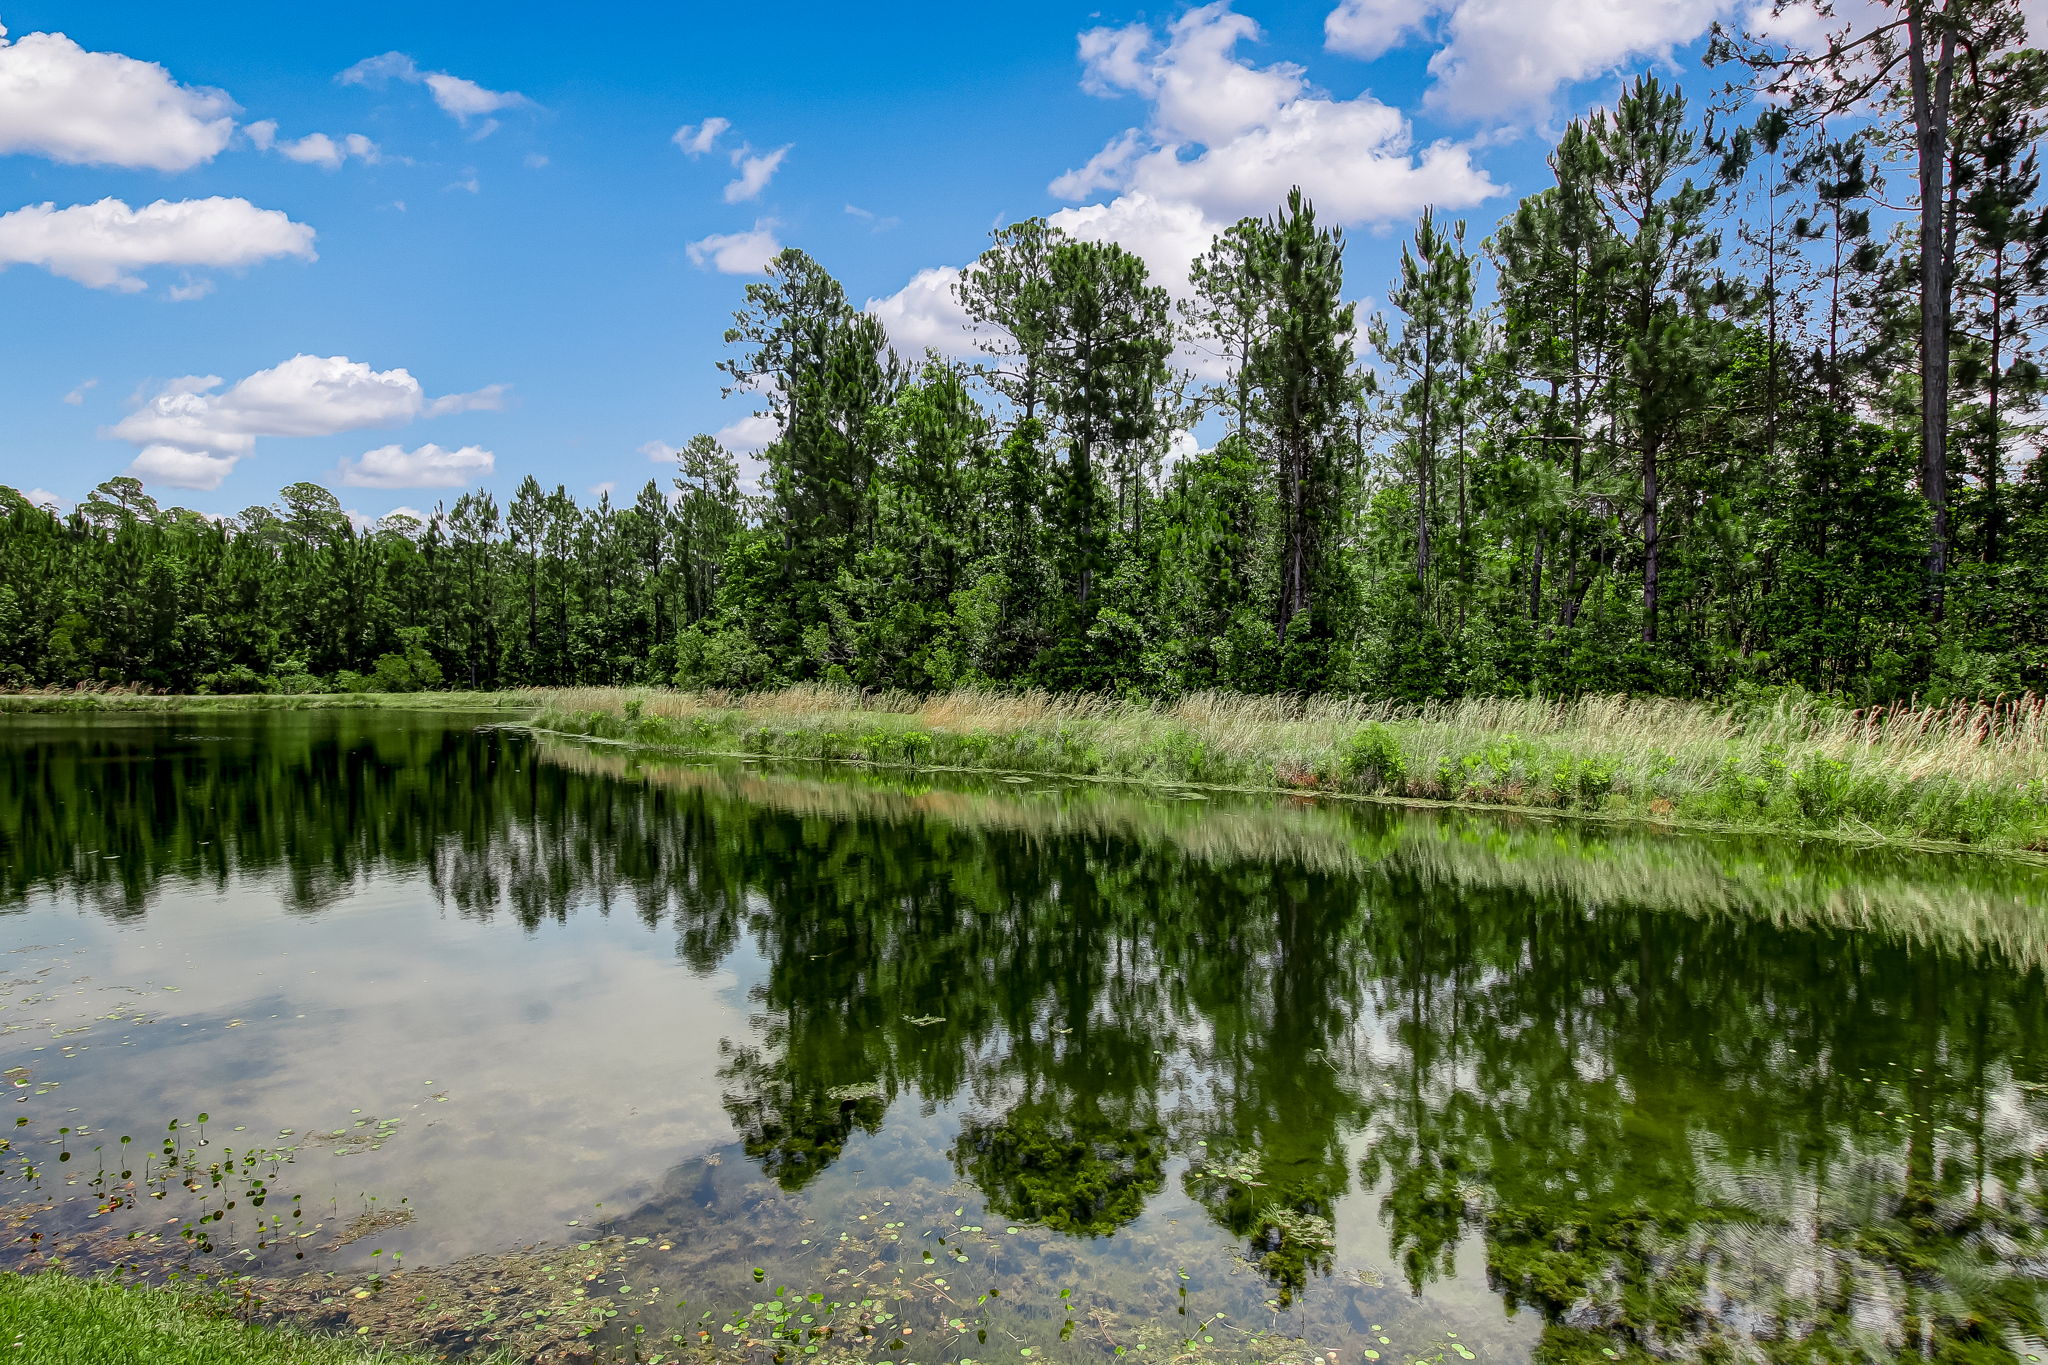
<point x="1033" y="1069"/>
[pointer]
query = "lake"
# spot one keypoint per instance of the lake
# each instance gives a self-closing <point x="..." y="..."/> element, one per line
<point x="503" y="1036"/>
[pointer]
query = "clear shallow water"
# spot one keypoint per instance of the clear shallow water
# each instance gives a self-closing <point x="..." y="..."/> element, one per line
<point x="1516" y="1089"/>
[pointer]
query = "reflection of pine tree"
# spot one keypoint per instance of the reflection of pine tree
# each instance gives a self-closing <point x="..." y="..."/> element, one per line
<point x="1076" y="1172"/>
<point x="1279" y="1000"/>
<point x="1587" y="1094"/>
<point x="793" y="1128"/>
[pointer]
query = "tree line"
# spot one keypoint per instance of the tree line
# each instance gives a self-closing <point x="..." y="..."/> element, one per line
<point x="1735" y="400"/>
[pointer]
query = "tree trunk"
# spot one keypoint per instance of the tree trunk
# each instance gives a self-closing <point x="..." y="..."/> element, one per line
<point x="1931" y="89"/>
<point x="1650" y="543"/>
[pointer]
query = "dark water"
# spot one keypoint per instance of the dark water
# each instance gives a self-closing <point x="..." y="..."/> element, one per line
<point x="1040" y="1070"/>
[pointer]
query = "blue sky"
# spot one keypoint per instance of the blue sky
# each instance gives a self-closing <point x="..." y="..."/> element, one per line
<point x="520" y="230"/>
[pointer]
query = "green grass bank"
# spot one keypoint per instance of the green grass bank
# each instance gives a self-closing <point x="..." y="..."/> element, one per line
<point x="53" y="1318"/>
<point x="1972" y="775"/>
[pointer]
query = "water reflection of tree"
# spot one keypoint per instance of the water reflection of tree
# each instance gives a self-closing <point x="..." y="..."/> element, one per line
<point x="1678" y="1099"/>
<point x="1590" y="1096"/>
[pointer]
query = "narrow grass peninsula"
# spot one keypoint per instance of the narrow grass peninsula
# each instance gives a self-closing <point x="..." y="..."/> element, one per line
<point x="1971" y="775"/>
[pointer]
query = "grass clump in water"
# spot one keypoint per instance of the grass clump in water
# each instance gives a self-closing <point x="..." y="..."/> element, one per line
<point x="57" y="1319"/>
<point x="1972" y="774"/>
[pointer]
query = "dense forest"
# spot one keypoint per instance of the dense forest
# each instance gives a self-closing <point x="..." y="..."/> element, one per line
<point x="1748" y="395"/>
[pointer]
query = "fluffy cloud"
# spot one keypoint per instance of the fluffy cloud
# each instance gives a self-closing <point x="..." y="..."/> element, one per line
<point x="104" y="244"/>
<point x="1200" y="91"/>
<point x="1504" y="57"/>
<point x="430" y="466"/>
<point x="927" y="313"/>
<point x="77" y="396"/>
<point x="1166" y="233"/>
<point x="314" y="149"/>
<point x="304" y="396"/>
<point x="749" y="435"/>
<point x="698" y="138"/>
<point x="1223" y="138"/>
<point x="1355" y="158"/>
<point x="459" y="98"/>
<point x="1227" y="138"/>
<point x="1373" y="28"/>
<point x="755" y="173"/>
<point x="191" y="432"/>
<point x="737" y="253"/>
<point x="101" y="108"/>
<point x="181" y="468"/>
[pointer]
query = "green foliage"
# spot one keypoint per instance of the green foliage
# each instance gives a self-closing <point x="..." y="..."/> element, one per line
<point x="1372" y="761"/>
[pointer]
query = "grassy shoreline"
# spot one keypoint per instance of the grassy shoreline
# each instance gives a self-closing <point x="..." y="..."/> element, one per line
<point x="54" y="1318"/>
<point x="1960" y="777"/>
<point x="1970" y="776"/>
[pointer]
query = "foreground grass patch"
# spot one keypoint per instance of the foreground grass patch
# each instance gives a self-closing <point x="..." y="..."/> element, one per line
<point x="1973" y="775"/>
<point x="57" y="1319"/>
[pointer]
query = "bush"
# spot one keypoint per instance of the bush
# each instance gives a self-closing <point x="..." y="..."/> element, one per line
<point x="412" y="671"/>
<point x="1372" y="760"/>
<point x="241" y="680"/>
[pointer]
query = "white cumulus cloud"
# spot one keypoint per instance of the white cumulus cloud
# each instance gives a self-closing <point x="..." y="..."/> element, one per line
<point x="430" y="466"/>
<point x="1373" y="28"/>
<point x="1223" y="138"/>
<point x="191" y="431"/>
<point x="181" y="468"/>
<point x="749" y="435"/>
<point x="1166" y="233"/>
<point x="460" y="98"/>
<point x="60" y="101"/>
<point x="77" y="396"/>
<point x="1505" y="57"/>
<point x="737" y="253"/>
<point x="104" y="244"/>
<point x="1229" y="138"/>
<point x="927" y="313"/>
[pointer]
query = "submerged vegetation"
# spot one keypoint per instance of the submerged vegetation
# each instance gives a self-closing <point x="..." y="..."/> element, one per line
<point x="1974" y="774"/>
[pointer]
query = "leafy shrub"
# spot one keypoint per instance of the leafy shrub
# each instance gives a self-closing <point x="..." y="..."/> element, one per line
<point x="241" y="680"/>
<point x="413" y="671"/>
<point x="1373" y="761"/>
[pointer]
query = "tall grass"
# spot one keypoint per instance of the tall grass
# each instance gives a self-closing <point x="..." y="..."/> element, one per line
<point x="1974" y="773"/>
